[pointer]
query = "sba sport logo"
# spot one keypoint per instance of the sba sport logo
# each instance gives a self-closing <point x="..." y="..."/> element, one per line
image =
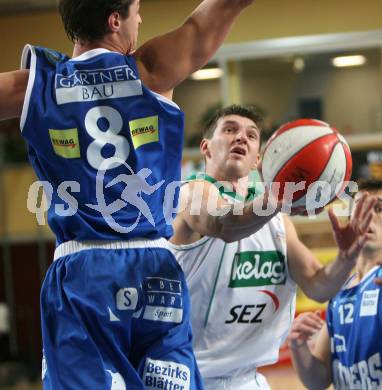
<point x="251" y="269"/>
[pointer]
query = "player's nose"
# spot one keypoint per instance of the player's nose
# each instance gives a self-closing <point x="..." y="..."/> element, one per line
<point x="241" y="136"/>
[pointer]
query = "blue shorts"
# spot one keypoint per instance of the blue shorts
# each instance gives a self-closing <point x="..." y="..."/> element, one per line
<point x="116" y="316"/>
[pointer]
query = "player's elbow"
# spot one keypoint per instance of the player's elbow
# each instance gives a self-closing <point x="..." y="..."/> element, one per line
<point x="318" y="384"/>
<point x="228" y="238"/>
<point x="317" y="296"/>
<point x="228" y="235"/>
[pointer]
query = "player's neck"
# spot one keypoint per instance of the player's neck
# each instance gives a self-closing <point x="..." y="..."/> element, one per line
<point x="365" y="263"/>
<point x="239" y="185"/>
<point x="81" y="47"/>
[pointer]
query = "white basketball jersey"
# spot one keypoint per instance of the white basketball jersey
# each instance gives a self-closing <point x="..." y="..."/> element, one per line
<point x="243" y="299"/>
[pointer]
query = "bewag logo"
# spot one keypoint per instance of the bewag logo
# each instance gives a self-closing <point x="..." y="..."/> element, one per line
<point x="70" y="143"/>
<point x="251" y="269"/>
<point x="143" y="130"/>
<point x="65" y="143"/>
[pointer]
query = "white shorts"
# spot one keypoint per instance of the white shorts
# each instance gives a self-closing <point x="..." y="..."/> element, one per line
<point x="249" y="381"/>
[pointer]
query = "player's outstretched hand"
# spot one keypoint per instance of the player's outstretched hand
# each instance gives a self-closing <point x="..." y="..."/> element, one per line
<point x="304" y="327"/>
<point x="351" y="237"/>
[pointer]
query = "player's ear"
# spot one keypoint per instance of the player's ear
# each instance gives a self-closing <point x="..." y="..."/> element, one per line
<point x="257" y="162"/>
<point x="114" y="22"/>
<point x="204" y="147"/>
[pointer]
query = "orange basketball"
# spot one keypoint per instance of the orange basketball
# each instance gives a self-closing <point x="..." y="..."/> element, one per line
<point x="310" y="161"/>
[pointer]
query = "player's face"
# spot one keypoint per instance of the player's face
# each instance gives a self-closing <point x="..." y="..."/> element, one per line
<point x="374" y="234"/>
<point x="233" y="149"/>
<point x="130" y="25"/>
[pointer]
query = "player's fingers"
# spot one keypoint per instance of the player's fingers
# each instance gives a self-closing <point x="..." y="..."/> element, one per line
<point x="365" y="223"/>
<point x="270" y="198"/>
<point x="333" y="220"/>
<point x="313" y="322"/>
<point x="295" y="336"/>
<point x="308" y="330"/>
<point x="366" y="207"/>
<point x="360" y="223"/>
<point x="356" y="248"/>
<point x="359" y="205"/>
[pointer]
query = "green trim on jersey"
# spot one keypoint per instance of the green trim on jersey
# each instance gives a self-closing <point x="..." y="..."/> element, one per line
<point x="253" y="191"/>
<point x="216" y="282"/>
<point x="190" y="247"/>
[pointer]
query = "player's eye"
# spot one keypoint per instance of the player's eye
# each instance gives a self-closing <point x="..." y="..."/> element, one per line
<point x="378" y="208"/>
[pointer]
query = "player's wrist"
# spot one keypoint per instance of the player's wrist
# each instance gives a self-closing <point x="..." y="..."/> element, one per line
<point x="345" y="260"/>
<point x="296" y="343"/>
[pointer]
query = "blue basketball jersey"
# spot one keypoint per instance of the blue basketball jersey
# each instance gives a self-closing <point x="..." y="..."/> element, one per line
<point x="354" y="319"/>
<point x="104" y="145"/>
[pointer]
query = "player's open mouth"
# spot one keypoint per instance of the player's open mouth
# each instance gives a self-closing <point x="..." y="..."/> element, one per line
<point x="238" y="150"/>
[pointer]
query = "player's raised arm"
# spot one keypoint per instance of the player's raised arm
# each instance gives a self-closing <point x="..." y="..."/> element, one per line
<point x="12" y="92"/>
<point x="321" y="283"/>
<point x="165" y="61"/>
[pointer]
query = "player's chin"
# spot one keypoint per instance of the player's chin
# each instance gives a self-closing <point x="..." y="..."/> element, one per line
<point x="238" y="167"/>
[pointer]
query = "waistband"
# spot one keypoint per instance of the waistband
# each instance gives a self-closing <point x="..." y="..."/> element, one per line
<point x="71" y="247"/>
<point x="247" y="380"/>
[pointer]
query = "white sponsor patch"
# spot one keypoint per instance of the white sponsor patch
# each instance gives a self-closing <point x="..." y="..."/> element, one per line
<point x="162" y="313"/>
<point x="89" y="93"/>
<point x="127" y="298"/>
<point x="369" y="303"/>
<point x="159" y="374"/>
<point x="117" y="382"/>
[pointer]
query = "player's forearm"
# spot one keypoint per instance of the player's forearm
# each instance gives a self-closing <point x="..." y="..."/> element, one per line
<point x="240" y="220"/>
<point x="311" y="371"/>
<point x="233" y="227"/>
<point x="211" y="22"/>
<point x="328" y="280"/>
<point x="165" y="61"/>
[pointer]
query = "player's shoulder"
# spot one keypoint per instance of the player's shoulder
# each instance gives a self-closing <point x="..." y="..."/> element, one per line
<point x="50" y="55"/>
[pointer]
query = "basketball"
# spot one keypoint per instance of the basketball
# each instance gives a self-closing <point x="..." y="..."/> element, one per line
<point x="309" y="163"/>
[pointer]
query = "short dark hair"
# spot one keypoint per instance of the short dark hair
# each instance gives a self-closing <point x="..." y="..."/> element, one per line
<point x="87" y="20"/>
<point x="246" y="111"/>
<point x="366" y="185"/>
<point x="370" y="185"/>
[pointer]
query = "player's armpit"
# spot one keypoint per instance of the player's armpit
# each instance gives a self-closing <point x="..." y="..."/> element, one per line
<point x="12" y="93"/>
